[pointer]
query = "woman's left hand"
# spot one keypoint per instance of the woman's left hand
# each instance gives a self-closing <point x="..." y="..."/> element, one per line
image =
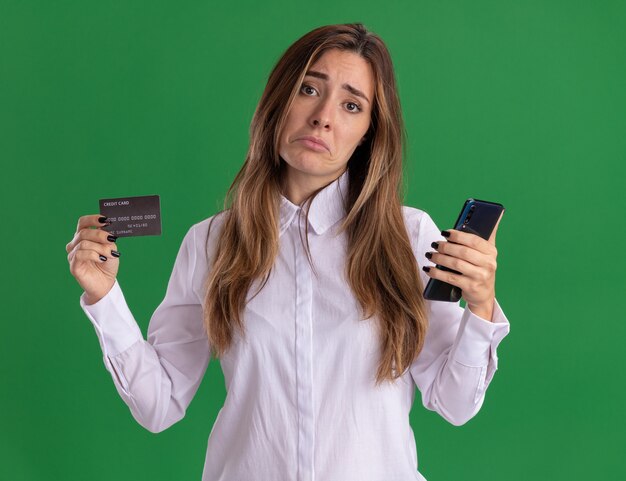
<point x="475" y="259"/>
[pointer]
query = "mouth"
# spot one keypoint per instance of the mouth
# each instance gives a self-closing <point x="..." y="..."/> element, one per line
<point x="314" y="143"/>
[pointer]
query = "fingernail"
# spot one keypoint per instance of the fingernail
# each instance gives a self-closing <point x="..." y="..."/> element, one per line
<point x="102" y="258"/>
<point x="115" y="253"/>
<point x="435" y="245"/>
<point x="429" y="255"/>
<point x="102" y="219"/>
<point x="426" y="268"/>
<point x="111" y="238"/>
<point x="445" y="233"/>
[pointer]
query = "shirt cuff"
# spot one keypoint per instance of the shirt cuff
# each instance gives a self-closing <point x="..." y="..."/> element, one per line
<point x="477" y="341"/>
<point x="114" y="323"/>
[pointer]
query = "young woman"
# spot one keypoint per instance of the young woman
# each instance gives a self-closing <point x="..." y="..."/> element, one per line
<point x="307" y="287"/>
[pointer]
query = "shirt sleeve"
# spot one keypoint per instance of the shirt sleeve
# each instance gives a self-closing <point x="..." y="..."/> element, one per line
<point x="157" y="377"/>
<point x="458" y="359"/>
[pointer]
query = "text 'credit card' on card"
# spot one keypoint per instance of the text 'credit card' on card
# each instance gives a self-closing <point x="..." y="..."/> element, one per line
<point x="132" y="216"/>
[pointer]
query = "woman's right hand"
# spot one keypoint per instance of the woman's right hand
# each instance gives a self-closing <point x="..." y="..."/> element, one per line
<point x="91" y="258"/>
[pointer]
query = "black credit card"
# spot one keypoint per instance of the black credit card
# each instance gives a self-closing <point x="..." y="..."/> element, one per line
<point x="132" y="216"/>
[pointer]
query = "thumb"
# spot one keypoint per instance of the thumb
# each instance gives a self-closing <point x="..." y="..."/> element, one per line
<point x="492" y="237"/>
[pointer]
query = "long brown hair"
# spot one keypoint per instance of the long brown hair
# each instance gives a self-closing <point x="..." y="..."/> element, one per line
<point x="380" y="266"/>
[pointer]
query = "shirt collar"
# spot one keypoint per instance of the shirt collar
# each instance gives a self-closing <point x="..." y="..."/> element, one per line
<point x="327" y="208"/>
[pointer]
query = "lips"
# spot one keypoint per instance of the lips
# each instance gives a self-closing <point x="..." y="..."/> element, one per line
<point x="316" y="140"/>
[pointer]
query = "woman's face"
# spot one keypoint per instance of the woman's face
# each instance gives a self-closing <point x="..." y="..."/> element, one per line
<point x="333" y="106"/>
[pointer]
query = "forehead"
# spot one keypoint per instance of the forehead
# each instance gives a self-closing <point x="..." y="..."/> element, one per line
<point x="346" y="66"/>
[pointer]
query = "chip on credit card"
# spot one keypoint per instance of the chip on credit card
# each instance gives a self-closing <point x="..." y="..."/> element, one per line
<point x="132" y="216"/>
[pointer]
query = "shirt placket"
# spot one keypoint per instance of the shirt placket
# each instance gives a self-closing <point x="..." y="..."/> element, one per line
<point x="304" y="358"/>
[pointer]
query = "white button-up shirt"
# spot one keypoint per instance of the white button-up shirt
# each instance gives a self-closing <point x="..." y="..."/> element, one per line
<point x="301" y="402"/>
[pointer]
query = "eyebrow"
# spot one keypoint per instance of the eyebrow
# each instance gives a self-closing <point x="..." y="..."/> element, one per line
<point x="349" y="88"/>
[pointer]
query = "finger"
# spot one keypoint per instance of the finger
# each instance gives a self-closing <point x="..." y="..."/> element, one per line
<point x="458" y="280"/>
<point x="492" y="237"/>
<point x="461" y="266"/>
<point x="101" y="249"/>
<point x="468" y="254"/>
<point x="92" y="220"/>
<point x="471" y="240"/>
<point x="95" y="235"/>
<point x="475" y="275"/>
<point x="83" y="256"/>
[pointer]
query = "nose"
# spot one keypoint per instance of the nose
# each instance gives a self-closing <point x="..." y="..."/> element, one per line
<point x="322" y="115"/>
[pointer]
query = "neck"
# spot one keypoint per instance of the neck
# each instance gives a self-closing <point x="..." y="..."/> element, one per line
<point x="298" y="186"/>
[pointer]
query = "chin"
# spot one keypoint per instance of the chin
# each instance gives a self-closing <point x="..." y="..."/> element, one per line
<point x="312" y="169"/>
<point x="313" y="164"/>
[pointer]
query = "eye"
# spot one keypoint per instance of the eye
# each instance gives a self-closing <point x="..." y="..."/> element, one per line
<point x="353" y="107"/>
<point x="306" y="89"/>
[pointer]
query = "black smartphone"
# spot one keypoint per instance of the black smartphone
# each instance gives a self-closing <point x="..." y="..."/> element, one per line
<point x="476" y="217"/>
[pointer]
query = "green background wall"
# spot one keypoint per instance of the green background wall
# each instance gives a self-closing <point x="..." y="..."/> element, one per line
<point x="521" y="102"/>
